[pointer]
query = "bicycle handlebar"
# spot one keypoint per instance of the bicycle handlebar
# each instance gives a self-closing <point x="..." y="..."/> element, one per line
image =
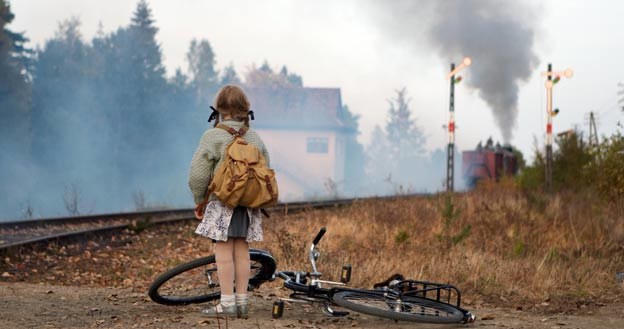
<point x="319" y="236"/>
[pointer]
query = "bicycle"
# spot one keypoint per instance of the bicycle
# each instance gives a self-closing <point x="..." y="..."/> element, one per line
<point x="396" y="298"/>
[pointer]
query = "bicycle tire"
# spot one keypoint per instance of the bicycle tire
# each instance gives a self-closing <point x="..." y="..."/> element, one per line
<point x="188" y="280"/>
<point x="412" y="308"/>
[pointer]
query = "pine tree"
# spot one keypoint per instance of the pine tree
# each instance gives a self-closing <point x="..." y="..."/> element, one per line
<point x="294" y="80"/>
<point x="379" y="166"/>
<point x="15" y="86"/>
<point x="355" y="159"/>
<point x="229" y="76"/>
<point x="146" y="53"/>
<point x="15" y="99"/>
<point x="397" y="152"/>
<point x="204" y="76"/>
<point x="132" y="96"/>
<point x="61" y="90"/>
<point x="406" y="140"/>
<point x="264" y="76"/>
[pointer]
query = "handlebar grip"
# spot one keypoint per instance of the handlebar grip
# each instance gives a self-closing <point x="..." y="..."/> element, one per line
<point x="319" y="236"/>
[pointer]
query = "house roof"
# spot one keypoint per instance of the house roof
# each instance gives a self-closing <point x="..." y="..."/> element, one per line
<point x="297" y="108"/>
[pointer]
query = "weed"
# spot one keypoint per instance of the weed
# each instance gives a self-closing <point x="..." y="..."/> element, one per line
<point x="140" y="225"/>
<point x="450" y="214"/>
<point x="401" y="237"/>
<point x="519" y="248"/>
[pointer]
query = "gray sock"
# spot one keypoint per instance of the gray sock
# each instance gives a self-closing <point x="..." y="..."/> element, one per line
<point x="241" y="299"/>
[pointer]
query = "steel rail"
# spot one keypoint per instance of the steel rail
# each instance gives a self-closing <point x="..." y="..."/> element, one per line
<point x="164" y="217"/>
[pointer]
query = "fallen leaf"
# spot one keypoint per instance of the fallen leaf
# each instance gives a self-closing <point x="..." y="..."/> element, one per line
<point x="487" y="317"/>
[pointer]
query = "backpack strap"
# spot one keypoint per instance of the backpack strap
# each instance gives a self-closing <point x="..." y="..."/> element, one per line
<point x="236" y="133"/>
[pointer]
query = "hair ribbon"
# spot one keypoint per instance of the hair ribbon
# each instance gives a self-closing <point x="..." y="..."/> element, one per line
<point x="214" y="115"/>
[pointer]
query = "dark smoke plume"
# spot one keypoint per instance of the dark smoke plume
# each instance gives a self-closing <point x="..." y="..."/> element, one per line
<point x="498" y="35"/>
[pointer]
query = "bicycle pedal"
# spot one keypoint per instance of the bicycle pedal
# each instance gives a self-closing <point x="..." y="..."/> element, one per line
<point x="278" y="309"/>
<point x="345" y="275"/>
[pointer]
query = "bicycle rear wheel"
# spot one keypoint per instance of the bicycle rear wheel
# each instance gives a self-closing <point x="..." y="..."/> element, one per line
<point x="409" y="308"/>
<point x="198" y="282"/>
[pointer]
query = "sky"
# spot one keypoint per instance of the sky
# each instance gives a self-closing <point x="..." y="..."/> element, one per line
<point x="345" y="44"/>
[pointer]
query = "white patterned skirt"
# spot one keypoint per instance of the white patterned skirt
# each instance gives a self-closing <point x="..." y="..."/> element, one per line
<point x="217" y="218"/>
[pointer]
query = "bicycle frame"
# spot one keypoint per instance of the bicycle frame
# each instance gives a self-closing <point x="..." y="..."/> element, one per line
<point x="394" y="290"/>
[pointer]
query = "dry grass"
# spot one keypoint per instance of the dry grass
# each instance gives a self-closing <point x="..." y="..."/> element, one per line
<point x="526" y="248"/>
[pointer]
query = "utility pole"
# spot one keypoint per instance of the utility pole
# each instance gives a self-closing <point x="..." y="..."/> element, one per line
<point x="621" y="95"/>
<point x="593" y="132"/>
<point x="548" y="170"/>
<point x="550" y="114"/>
<point x="450" y="158"/>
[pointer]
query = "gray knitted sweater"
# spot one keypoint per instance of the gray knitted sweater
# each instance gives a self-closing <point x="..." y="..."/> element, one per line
<point x="210" y="153"/>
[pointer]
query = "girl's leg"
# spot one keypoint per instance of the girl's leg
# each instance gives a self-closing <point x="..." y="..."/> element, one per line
<point x="242" y="273"/>
<point x="242" y="265"/>
<point x="224" y="254"/>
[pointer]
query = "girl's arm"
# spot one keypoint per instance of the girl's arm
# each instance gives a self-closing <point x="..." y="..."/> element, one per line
<point x="202" y="166"/>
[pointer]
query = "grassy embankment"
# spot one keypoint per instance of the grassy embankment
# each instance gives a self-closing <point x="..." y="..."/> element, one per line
<point x="519" y="248"/>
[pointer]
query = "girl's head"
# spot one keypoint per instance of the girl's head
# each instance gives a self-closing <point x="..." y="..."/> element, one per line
<point x="232" y="103"/>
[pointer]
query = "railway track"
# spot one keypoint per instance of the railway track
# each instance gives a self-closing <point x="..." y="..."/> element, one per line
<point x="19" y="234"/>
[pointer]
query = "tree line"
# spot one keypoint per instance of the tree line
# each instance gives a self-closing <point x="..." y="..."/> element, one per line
<point x="90" y="125"/>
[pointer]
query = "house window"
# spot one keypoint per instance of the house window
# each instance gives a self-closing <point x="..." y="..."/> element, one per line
<point x="317" y="144"/>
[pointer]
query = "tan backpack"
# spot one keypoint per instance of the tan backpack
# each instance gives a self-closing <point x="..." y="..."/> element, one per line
<point x="243" y="178"/>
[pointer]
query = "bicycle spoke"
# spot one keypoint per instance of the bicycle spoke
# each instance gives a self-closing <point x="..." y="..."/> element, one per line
<point x="198" y="281"/>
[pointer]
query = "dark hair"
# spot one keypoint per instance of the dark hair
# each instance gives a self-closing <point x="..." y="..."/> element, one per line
<point x="231" y="100"/>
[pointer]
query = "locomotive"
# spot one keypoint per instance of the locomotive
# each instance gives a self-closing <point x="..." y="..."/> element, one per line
<point x="488" y="162"/>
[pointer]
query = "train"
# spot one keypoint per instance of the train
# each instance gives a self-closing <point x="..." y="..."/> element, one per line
<point x="488" y="162"/>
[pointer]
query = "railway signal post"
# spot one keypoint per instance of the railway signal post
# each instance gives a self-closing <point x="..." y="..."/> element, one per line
<point x="450" y="159"/>
<point x="550" y="82"/>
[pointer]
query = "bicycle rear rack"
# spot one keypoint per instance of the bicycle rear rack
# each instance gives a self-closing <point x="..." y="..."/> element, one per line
<point x="439" y="292"/>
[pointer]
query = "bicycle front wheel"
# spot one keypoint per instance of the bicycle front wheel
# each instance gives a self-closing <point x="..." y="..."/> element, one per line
<point x="409" y="308"/>
<point x="198" y="281"/>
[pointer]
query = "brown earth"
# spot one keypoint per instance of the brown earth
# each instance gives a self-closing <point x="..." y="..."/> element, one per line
<point x="556" y="278"/>
<point x="27" y="305"/>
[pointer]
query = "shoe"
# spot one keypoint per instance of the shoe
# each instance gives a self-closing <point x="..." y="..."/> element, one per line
<point x="220" y="310"/>
<point x="243" y="311"/>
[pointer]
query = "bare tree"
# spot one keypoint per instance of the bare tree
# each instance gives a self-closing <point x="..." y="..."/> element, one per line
<point x="332" y="188"/>
<point x="139" y="200"/>
<point x="71" y="198"/>
<point x="28" y="211"/>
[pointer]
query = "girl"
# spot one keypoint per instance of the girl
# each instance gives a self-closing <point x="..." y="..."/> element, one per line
<point x="231" y="229"/>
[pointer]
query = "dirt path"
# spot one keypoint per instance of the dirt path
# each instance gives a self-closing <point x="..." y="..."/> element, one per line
<point x="26" y="305"/>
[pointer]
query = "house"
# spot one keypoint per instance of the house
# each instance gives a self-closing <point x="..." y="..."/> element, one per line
<point x="305" y="135"/>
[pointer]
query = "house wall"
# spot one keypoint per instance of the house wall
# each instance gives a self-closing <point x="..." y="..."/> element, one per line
<point x="301" y="174"/>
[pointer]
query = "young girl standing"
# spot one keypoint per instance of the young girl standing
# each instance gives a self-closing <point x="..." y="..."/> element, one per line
<point x="231" y="229"/>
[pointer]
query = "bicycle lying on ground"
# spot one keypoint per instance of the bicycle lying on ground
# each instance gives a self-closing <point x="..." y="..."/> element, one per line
<point x="396" y="298"/>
